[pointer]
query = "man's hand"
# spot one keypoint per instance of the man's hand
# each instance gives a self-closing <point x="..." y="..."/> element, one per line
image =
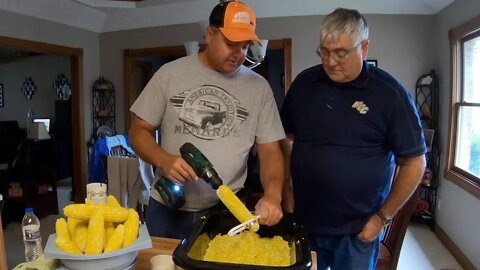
<point x="371" y="230"/>
<point x="177" y="169"/>
<point x="269" y="210"/>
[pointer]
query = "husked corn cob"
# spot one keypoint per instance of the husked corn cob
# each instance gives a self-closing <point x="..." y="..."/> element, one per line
<point x="78" y="211"/>
<point x="112" y="201"/>
<point x="95" y="234"/>
<point x="116" y="241"/>
<point x="81" y="236"/>
<point x="109" y="229"/>
<point x="131" y="227"/>
<point x="63" y="240"/>
<point x="72" y="224"/>
<point x="233" y="203"/>
<point x="113" y="214"/>
<point x="84" y="212"/>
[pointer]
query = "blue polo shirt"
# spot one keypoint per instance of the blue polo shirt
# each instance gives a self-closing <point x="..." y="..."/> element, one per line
<point x="346" y="139"/>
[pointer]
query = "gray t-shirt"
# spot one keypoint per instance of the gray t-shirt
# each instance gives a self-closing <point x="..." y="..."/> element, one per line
<point x="223" y="115"/>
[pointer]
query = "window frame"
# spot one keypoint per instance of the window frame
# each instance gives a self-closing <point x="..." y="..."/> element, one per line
<point x="458" y="36"/>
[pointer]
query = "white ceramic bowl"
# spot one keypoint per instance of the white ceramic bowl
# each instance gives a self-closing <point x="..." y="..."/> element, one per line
<point x="117" y="260"/>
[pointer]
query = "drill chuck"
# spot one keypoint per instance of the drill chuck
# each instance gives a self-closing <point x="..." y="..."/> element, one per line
<point x="211" y="177"/>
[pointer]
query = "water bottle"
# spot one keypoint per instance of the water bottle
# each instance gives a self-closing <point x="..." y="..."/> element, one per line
<point x="31" y="235"/>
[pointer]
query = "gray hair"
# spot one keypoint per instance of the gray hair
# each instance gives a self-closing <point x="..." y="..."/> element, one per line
<point x="341" y="21"/>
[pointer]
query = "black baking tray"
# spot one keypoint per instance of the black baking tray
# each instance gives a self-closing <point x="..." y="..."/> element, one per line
<point x="220" y="222"/>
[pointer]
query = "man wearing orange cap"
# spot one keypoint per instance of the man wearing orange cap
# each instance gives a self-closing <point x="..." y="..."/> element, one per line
<point x="220" y="106"/>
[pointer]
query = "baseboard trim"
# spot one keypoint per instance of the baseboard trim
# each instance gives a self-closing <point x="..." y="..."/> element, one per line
<point x="453" y="248"/>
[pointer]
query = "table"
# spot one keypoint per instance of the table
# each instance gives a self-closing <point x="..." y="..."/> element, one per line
<point x="166" y="246"/>
<point x="160" y="246"/>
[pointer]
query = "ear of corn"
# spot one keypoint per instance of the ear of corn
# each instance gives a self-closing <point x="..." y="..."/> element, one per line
<point x="109" y="229"/>
<point x="116" y="241"/>
<point x="63" y="240"/>
<point x="61" y="228"/>
<point x="113" y="214"/>
<point x="95" y="234"/>
<point x="72" y="224"/>
<point x="112" y="201"/>
<point x="81" y="236"/>
<point x="84" y="211"/>
<point x="233" y="203"/>
<point x="78" y="211"/>
<point x="131" y="227"/>
<point x="91" y="227"/>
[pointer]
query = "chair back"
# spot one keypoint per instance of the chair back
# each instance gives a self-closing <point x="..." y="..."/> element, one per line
<point x="392" y="241"/>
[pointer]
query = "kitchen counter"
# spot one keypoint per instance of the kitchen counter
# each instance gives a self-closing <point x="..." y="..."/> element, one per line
<point x="162" y="245"/>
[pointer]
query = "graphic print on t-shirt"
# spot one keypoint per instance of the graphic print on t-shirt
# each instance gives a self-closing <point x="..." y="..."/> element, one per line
<point x="208" y="112"/>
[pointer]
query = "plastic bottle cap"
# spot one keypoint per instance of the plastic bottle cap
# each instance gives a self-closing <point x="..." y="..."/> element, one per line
<point x="29" y="210"/>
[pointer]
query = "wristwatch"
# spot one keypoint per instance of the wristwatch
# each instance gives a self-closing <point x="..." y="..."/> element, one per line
<point x="385" y="220"/>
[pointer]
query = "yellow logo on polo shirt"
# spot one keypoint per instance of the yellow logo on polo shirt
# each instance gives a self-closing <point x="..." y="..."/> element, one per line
<point x="360" y="106"/>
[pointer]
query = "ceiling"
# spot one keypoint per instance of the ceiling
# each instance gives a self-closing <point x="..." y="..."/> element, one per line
<point x="109" y="15"/>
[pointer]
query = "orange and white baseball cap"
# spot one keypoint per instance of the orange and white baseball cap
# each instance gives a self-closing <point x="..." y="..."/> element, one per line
<point x="236" y="21"/>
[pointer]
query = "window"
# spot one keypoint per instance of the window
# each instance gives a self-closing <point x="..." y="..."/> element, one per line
<point x="463" y="155"/>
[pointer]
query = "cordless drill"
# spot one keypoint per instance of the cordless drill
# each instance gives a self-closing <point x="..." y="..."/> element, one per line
<point x="174" y="197"/>
<point x="172" y="193"/>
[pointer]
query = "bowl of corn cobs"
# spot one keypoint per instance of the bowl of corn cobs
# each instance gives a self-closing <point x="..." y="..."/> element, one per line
<point x="98" y="236"/>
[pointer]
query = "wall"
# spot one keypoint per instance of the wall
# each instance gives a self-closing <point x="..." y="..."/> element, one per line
<point x="33" y="29"/>
<point x="44" y="71"/>
<point x="458" y="211"/>
<point x="406" y="58"/>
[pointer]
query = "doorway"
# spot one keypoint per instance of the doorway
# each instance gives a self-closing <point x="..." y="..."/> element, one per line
<point x="77" y="125"/>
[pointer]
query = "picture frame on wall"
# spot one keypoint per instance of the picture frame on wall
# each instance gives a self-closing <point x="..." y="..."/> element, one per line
<point x="372" y="62"/>
<point x="2" y="99"/>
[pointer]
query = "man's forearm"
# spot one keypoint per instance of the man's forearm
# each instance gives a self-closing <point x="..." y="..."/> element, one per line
<point x="271" y="169"/>
<point x="287" y="194"/>
<point x="145" y="146"/>
<point x="409" y="175"/>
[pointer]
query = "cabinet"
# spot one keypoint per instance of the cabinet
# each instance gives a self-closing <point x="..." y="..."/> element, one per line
<point x="63" y="138"/>
<point x="426" y="98"/>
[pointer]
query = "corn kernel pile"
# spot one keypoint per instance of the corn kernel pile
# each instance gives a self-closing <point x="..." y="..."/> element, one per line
<point x="96" y="228"/>
<point x="249" y="248"/>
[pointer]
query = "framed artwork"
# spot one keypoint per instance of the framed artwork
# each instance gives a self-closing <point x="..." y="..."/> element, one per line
<point x="2" y="99"/>
<point x="372" y="62"/>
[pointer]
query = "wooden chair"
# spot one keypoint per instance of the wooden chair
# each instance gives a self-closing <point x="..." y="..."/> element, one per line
<point x="392" y="240"/>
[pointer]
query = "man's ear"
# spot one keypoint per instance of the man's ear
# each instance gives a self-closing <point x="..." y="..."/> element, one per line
<point x="208" y="34"/>
<point x="365" y="49"/>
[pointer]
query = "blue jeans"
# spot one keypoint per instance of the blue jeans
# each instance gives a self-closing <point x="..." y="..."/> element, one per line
<point x="344" y="252"/>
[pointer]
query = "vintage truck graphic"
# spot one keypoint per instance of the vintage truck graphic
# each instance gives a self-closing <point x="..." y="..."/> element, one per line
<point x="204" y="114"/>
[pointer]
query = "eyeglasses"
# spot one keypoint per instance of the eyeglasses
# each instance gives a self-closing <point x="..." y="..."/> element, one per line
<point x="338" y="55"/>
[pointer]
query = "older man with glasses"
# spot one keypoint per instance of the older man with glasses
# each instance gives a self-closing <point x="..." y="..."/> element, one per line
<point x="351" y="124"/>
